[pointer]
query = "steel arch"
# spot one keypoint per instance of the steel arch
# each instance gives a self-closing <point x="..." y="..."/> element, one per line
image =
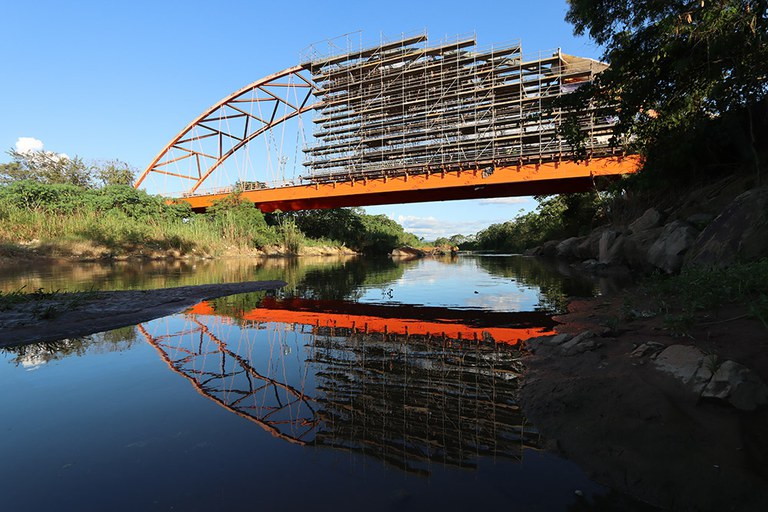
<point x="229" y="109"/>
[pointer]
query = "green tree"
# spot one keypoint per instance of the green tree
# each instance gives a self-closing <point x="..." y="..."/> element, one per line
<point x="113" y="172"/>
<point x="687" y="79"/>
<point x="341" y="224"/>
<point x="240" y="222"/>
<point x="45" y="167"/>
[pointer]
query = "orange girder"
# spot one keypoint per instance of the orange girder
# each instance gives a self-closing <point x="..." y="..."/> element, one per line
<point x="533" y="179"/>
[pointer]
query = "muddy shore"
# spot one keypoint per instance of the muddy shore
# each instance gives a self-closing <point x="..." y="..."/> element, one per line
<point x="75" y="314"/>
<point x="639" y="430"/>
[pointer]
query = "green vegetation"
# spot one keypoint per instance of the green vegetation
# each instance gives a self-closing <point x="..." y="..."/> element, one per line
<point x="353" y="228"/>
<point x="695" y="290"/>
<point x="686" y="82"/>
<point x="555" y="217"/>
<point x="62" y="207"/>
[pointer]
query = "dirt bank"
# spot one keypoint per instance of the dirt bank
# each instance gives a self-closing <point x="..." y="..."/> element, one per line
<point x="67" y="315"/>
<point x="641" y="431"/>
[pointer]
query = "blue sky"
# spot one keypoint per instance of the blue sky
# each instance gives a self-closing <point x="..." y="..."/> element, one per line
<point x="105" y="80"/>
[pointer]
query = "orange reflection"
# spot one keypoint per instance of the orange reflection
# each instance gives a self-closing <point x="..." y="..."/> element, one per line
<point x="395" y="319"/>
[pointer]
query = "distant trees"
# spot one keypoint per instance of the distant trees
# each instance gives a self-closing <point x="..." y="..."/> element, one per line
<point x="555" y="217"/>
<point x="687" y="78"/>
<point x="48" y="167"/>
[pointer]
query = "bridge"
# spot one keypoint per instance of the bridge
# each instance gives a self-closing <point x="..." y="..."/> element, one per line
<point x="399" y="122"/>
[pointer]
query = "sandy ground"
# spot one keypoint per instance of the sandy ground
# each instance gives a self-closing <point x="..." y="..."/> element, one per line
<point x="78" y="314"/>
<point x="642" y="432"/>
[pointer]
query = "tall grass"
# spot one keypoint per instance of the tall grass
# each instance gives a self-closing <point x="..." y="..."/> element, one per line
<point x="115" y="233"/>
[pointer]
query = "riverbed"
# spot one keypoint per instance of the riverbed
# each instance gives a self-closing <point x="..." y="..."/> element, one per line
<point x="359" y="384"/>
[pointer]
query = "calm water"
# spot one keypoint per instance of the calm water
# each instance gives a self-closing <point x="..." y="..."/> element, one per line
<point x="363" y="384"/>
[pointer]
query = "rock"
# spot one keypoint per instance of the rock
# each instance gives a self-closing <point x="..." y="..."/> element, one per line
<point x="615" y="253"/>
<point x="407" y="252"/>
<point x="635" y="248"/>
<point x="739" y="233"/>
<point x="700" y="220"/>
<point x="737" y="385"/>
<point x="648" y="220"/>
<point x="580" y="343"/>
<point x="549" y="248"/>
<point x="566" y="247"/>
<point x="532" y="251"/>
<point x="686" y="364"/>
<point x="588" y="266"/>
<point x="533" y="344"/>
<point x="646" y="349"/>
<point x="589" y="248"/>
<point x="668" y="251"/>
<point x="607" y="238"/>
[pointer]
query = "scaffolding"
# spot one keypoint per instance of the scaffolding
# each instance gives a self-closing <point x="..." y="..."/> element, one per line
<point x="407" y="108"/>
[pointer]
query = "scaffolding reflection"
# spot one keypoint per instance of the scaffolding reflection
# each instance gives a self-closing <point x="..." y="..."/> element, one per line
<point x="407" y="398"/>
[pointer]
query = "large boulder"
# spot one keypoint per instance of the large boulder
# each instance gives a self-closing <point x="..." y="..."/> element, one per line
<point x="650" y="219"/>
<point x="668" y="251"/>
<point x="565" y="249"/>
<point x="739" y="233"/>
<point x="685" y="363"/>
<point x="407" y="253"/>
<point x="607" y="238"/>
<point x="614" y="253"/>
<point x="635" y="248"/>
<point x="549" y="248"/>
<point x="737" y="385"/>
<point x="589" y="247"/>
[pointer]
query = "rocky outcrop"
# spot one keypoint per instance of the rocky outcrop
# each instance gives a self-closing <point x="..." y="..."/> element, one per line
<point x="648" y="220"/>
<point x="564" y="344"/>
<point x="669" y="249"/>
<point x="739" y="233"/>
<point x="589" y="247"/>
<point x="731" y="382"/>
<point x="737" y="385"/>
<point x="686" y="364"/>
<point x="636" y="246"/>
<point x="689" y="235"/>
<point x="407" y="252"/>
<point x="565" y="249"/>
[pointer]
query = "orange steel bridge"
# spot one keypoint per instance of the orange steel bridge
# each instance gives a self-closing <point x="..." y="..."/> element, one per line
<point x="395" y="123"/>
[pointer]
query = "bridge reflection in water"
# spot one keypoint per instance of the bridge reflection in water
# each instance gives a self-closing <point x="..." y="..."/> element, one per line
<point x="373" y="379"/>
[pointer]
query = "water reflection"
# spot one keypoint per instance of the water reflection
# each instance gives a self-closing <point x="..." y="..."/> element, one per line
<point x="34" y="356"/>
<point x="365" y="378"/>
<point x="528" y="282"/>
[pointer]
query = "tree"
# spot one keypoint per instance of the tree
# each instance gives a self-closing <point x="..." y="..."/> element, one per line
<point x="687" y="79"/>
<point x="45" y="167"/>
<point x="114" y="172"/>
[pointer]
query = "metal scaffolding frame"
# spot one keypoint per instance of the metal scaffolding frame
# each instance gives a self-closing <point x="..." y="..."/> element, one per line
<point x="406" y="108"/>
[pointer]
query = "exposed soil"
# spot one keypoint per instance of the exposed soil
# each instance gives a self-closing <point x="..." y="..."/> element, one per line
<point x="639" y="430"/>
<point x="75" y="314"/>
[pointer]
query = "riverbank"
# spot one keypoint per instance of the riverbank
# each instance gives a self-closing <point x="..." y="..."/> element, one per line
<point x="45" y="317"/>
<point x="634" y="413"/>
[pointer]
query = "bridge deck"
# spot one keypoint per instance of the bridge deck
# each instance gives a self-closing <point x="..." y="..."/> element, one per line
<point x="545" y="178"/>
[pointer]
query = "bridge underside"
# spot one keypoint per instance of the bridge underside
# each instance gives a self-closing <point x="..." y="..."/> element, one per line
<point x="545" y="178"/>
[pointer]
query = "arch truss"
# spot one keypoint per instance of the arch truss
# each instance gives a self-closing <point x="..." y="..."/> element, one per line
<point x="230" y="125"/>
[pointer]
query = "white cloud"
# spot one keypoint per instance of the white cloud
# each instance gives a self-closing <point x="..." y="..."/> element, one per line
<point x="431" y="228"/>
<point x="27" y="144"/>
<point x="504" y="200"/>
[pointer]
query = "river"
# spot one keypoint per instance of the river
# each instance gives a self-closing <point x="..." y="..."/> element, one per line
<point x="362" y="385"/>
